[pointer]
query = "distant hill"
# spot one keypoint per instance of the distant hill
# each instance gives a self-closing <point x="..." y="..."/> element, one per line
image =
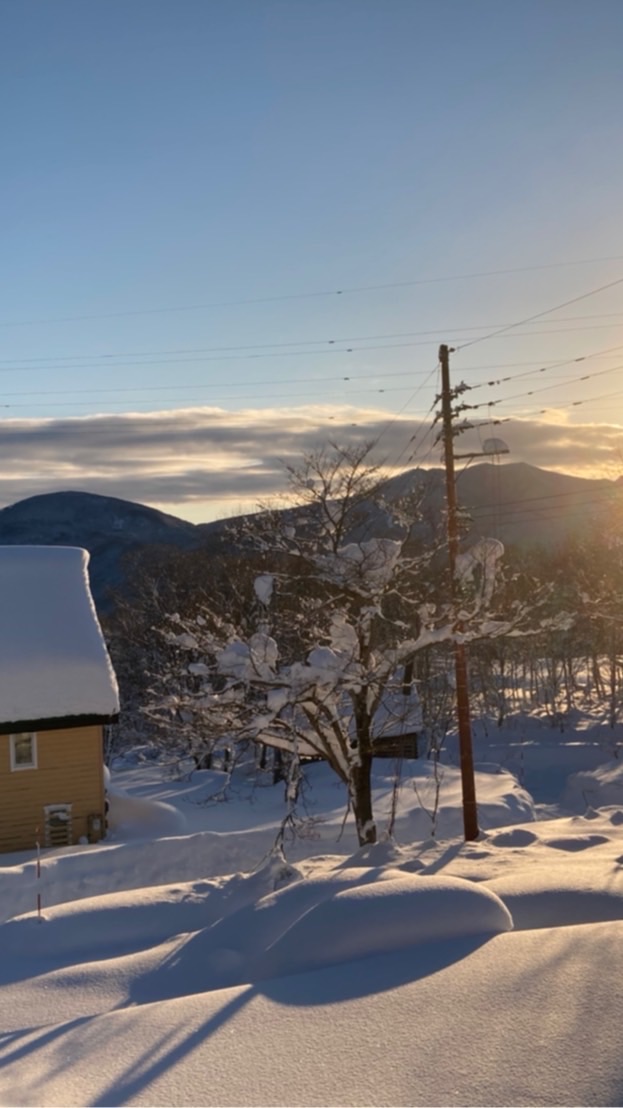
<point x="518" y="503"/>
<point x="522" y="504"/>
<point x="106" y="526"/>
<point x="515" y="502"/>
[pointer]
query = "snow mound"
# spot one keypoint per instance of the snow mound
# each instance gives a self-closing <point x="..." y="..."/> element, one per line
<point x="501" y="802"/>
<point x="234" y="950"/>
<point x="319" y="922"/>
<point x="519" y="836"/>
<point x="135" y="817"/>
<point x="384" y="853"/>
<point x="118" y="923"/>
<point x="386" y="915"/>
<point x="560" y="896"/>
<point x="596" y="788"/>
<point x="575" y="843"/>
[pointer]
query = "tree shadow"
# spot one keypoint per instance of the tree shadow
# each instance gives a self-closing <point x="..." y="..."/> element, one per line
<point x="44" y="1036"/>
<point x="172" y="1041"/>
<point x="375" y="974"/>
<point x="328" y="986"/>
<point x="443" y="860"/>
<point x="186" y="971"/>
<point x="141" y="1073"/>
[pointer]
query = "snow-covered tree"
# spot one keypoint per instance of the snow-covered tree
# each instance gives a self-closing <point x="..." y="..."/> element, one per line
<point x="337" y="617"/>
<point x="161" y="582"/>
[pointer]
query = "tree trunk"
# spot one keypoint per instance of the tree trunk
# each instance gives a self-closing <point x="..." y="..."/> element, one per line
<point x="598" y="678"/>
<point x="360" y="787"/>
<point x="613" y="684"/>
<point x="502" y="688"/>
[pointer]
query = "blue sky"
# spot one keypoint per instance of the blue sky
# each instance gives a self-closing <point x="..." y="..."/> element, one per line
<point x="177" y="172"/>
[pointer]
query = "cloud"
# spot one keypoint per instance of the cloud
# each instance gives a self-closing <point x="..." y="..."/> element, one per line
<point x="582" y="449"/>
<point x="202" y="463"/>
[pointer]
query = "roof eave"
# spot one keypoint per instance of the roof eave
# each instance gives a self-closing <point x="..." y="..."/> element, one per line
<point x="56" y="723"/>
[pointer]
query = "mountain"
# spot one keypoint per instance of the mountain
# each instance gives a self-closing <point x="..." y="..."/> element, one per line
<point x="519" y="504"/>
<point x="515" y="502"/>
<point x="522" y="504"/>
<point x="108" y="527"/>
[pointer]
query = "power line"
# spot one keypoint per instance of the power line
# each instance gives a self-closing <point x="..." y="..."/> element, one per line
<point x="514" y="506"/>
<point x="545" y="388"/>
<point x="126" y="355"/>
<point x="539" y="315"/>
<point x="422" y="423"/>
<point x="222" y="399"/>
<point x="536" y="516"/>
<point x="12" y="368"/>
<point x="549" y="367"/>
<point x="315" y="294"/>
<point x="200" y="387"/>
<point x="153" y="357"/>
<point x="255" y="382"/>
<point x="205" y="385"/>
<point x="587" y="401"/>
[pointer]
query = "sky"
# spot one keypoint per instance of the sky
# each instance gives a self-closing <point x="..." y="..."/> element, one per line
<point x="233" y="231"/>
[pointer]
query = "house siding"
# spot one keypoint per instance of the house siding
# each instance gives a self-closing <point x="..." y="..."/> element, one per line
<point x="69" y="771"/>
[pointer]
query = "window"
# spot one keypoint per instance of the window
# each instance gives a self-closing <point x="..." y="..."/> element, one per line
<point x="24" y="751"/>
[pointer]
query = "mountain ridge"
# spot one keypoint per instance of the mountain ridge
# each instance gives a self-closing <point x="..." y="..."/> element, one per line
<point x="515" y="502"/>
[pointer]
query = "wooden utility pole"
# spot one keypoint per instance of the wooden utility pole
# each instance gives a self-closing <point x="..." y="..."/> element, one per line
<point x="470" y="811"/>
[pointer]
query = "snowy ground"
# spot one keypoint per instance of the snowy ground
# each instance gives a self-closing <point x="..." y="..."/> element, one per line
<point x="183" y="963"/>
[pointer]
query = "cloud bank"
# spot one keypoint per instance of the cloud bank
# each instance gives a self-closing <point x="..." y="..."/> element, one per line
<point x="205" y="463"/>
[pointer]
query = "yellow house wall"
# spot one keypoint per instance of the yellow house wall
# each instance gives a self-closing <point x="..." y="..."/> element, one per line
<point x="69" y="771"/>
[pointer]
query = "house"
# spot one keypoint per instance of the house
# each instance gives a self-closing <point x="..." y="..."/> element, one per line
<point x="57" y="692"/>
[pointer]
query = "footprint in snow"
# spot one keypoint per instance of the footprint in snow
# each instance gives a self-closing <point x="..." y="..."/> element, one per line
<point x="579" y="842"/>
<point x="517" y="837"/>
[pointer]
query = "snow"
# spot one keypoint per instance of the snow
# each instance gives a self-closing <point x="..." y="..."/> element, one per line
<point x="243" y="660"/>
<point x="390" y="914"/>
<point x="597" y="787"/>
<point x="130" y="816"/>
<point x="420" y="970"/>
<point x="263" y="587"/>
<point x="54" y="661"/>
<point x="397" y="713"/>
<point x="539" y="897"/>
<point x="481" y="560"/>
<point x="366" y="567"/>
<point x="451" y="1024"/>
<point x="196" y="837"/>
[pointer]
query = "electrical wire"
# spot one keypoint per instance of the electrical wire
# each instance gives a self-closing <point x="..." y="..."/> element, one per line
<point x="316" y="294"/>
<point x="413" y="438"/>
<point x="546" y="311"/>
<point x="537" y="516"/>
<point x="52" y="360"/>
<point x="204" y="360"/>
<point x="547" y="368"/>
<point x="536" y="499"/>
<point x="287" y="397"/>
<point x="545" y="388"/>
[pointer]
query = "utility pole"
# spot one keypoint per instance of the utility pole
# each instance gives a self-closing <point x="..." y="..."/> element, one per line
<point x="470" y="811"/>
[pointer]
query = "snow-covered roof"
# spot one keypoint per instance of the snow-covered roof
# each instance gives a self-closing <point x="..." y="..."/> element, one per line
<point x="54" y="666"/>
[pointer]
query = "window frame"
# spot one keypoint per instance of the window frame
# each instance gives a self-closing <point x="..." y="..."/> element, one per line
<point x="16" y="767"/>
